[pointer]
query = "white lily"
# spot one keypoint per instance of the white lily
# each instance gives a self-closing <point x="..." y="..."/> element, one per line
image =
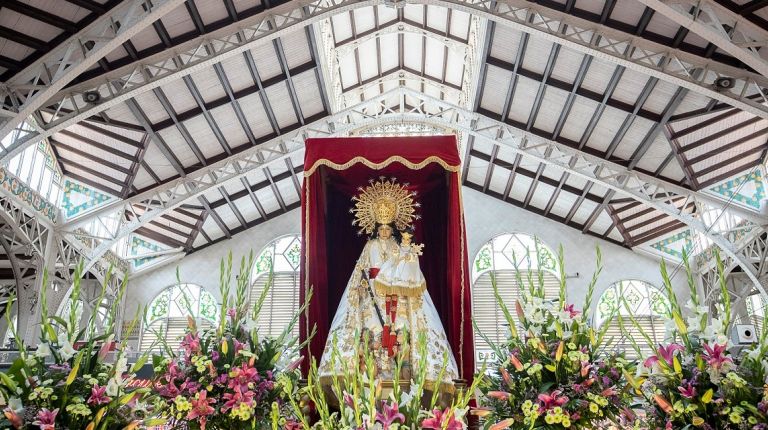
<point x="43" y="350"/>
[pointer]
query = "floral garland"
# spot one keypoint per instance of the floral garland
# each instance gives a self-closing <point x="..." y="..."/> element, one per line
<point x="227" y="377"/>
<point x="64" y="386"/>
<point x="695" y="381"/>
<point x="551" y="372"/>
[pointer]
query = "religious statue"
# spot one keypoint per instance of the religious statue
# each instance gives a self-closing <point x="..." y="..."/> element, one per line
<point x="386" y="298"/>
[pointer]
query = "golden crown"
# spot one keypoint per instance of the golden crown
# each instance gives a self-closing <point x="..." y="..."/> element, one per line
<point x="384" y="202"/>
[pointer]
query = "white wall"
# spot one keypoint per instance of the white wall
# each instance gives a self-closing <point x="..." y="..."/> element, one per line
<point x="202" y="267"/>
<point x="486" y="217"/>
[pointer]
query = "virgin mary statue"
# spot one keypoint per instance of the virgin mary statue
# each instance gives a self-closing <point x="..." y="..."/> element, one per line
<point x="386" y="300"/>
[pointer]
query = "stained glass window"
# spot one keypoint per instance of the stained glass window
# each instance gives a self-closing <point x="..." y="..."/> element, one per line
<point x="499" y="261"/>
<point x="168" y="311"/>
<point x="281" y="259"/>
<point x="641" y="300"/>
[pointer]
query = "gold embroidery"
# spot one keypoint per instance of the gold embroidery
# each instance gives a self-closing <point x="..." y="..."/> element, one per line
<point x="379" y="166"/>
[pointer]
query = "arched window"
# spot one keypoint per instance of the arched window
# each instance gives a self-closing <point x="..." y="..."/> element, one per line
<point x="277" y="263"/>
<point x="102" y="316"/>
<point x="756" y="308"/>
<point x="167" y="315"/>
<point x="641" y="300"/>
<point x="499" y="260"/>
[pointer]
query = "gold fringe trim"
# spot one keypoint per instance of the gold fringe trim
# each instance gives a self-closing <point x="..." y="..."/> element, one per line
<point x="379" y="166"/>
<point x="395" y="290"/>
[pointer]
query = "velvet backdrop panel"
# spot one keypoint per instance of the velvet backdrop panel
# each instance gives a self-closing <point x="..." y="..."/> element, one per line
<point x="336" y="168"/>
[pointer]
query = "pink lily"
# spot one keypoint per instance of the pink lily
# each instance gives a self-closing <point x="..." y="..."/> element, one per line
<point x="689" y="391"/>
<point x="233" y="400"/>
<point x="715" y="355"/>
<point x="191" y="343"/>
<point x="200" y="408"/>
<point x="389" y="416"/>
<point x="46" y="419"/>
<point x="442" y="421"/>
<point x="549" y="401"/>
<point x="98" y="395"/>
<point x="665" y="353"/>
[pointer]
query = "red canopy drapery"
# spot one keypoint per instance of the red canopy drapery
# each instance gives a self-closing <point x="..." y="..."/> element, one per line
<point x="334" y="168"/>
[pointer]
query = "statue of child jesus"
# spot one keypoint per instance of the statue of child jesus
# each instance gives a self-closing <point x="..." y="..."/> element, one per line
<point x="402" y="276"/>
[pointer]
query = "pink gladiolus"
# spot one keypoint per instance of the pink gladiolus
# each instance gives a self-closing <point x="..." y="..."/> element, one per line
<point x="201" y="408"/>
<point x="98" y="395"/>
<point x="348" y="400"/>
<point x="46" y="419"/>
<point x="389" y="415"/>
<point x="715" y="355"/>
<point x="571" y="311"/>
<point x="442" y="421"/>
<point x="665" y="353"/>
<point x="549" y="401"/>
<point x="231" y="312"/>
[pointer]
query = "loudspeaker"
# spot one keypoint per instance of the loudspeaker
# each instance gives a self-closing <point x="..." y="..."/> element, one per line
<point x="91" y="96"/>
<point x="744" y="334"/>
<point x="724" y="83"/>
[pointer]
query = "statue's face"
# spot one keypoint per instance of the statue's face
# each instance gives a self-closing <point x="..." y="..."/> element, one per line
<point x="406" y="238"/>
<point x="385" y="231"/>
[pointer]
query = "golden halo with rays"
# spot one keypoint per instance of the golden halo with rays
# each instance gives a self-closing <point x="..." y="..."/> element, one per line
<point x="385" y="202"/>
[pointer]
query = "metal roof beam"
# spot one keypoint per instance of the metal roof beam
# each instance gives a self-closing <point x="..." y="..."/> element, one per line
<point x="654" y="59"/>
<point x="729" y="31"/>
<point x="32" y="87"/>
<point x="618" y="179"/>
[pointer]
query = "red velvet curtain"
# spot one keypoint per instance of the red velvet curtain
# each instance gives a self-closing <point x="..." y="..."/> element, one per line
<point x="334" y="169"/>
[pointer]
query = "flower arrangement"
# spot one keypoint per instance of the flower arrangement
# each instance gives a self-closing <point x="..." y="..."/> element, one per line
<point x="61" y="386"/>
<point x="551" y="373"/>
<point x="228" y="377"/>
<point x="694" y="381"/>
<point x="365" y="403"/>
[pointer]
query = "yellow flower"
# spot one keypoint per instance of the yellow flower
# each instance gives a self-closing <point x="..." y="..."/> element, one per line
<point x="566" y="422"/>
<point x="593" y="407"/>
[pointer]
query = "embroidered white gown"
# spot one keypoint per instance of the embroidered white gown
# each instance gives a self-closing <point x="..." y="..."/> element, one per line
<point x="400" y="275"/>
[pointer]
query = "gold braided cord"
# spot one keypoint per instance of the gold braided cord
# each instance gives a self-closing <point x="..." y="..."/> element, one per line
<point x="461" y="264"/>
<point x="306" y="262"/>
<point x="379" y="166"/>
